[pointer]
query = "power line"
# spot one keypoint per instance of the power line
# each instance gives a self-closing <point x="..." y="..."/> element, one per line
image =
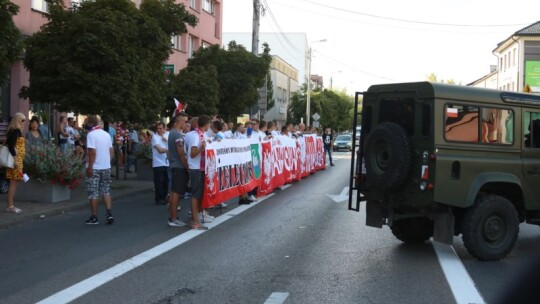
<point x="280" y="30"/>
<point x="408" y="21"/>
<point x="399" y="27"/>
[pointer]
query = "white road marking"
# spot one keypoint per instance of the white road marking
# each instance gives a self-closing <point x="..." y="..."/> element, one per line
<point x="285" y="186"/>
<point x="343" y="196"/>
<point x="75" y="291"/>
<point x="277" y="298"/>
<point x="461" y="283"/>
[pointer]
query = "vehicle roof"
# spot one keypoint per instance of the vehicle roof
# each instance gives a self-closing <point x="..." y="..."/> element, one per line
<point x="427" y="90"/>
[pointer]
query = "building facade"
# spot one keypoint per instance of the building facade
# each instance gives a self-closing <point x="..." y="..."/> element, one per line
<point x="519" y="60"/>
<point x="291" y="47"/>
<point x="31" y="17"/>
<point x="284" y="84"/>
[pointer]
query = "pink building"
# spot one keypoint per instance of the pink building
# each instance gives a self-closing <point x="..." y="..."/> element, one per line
<point x="31" y="17"/>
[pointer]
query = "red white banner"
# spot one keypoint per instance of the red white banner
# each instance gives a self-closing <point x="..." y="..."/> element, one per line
<point x="234" y="167"/>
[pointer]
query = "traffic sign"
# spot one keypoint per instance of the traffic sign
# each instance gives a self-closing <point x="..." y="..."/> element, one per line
<point x="316" y="116"/>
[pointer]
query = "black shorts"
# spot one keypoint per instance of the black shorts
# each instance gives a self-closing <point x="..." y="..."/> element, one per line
<point x="197" y="183"/>
<point x="179" y="180"/>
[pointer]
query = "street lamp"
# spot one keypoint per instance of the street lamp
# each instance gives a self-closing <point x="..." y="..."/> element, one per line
<point x="308" y="103"/>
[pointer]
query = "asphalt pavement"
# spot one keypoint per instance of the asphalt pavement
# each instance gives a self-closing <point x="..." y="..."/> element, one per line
<point x="298" y="244"/>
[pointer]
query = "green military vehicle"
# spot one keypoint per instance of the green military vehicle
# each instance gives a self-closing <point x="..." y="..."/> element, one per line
<point x="440" y="160"/>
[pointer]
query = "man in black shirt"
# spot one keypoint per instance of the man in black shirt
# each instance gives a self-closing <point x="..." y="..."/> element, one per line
<point x="328" y="144"/>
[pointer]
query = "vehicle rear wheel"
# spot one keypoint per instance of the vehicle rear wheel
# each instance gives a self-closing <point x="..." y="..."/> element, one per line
<point x="490" y="228"/>
<point x="388" y="156"/>
<point x="413" y="230"/>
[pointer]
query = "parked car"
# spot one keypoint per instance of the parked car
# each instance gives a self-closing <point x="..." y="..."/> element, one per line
<point x="343" y="141"/>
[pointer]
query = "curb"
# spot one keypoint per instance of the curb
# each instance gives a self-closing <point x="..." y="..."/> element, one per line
<point x="36" y="216"/>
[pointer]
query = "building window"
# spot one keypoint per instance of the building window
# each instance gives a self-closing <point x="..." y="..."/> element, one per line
<point x="208" y="6"/>
<point x="174" y="42"/>
<point x="501" y="65"/>
<point x="191" y="46"/>
<point x="40" y="5"/>
<point x="205" y="45"/>
<point x="514" y="59"/>
<point x="193" y="4"/>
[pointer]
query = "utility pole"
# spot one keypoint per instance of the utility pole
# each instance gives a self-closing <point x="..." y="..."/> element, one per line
<point x="255" y="47"/>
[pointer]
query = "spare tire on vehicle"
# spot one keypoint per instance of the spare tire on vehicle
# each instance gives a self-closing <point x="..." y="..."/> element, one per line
<point x="388" y="156"/>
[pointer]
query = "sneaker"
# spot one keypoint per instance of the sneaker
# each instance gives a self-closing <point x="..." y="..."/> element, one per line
<point x="332" y="164"/>
<point x="252" y="198"/>
<point x="198" y="226"/>
<point x="110" y="219"/>
<point x="205" y="218"/>
<point x="176" y="223"/>
<point x="244" y="202"/>
<point x="92" y="221"/>
<point x="223" y="205"/>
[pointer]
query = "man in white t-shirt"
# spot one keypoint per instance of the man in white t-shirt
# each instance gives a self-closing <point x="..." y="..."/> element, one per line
<point x="98" y="169"/>
<point x="240" y="132"/>
<point x="160" y="164"/>
<point x="196" y="144"/>
<point x="227" y="132"/>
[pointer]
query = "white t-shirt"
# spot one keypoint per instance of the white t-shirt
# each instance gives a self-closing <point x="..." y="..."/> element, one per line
<point x="239" y="135"/>
<point x="192" y="140"/>
<point x="228" y="134"/>
<point x="102" y="143"/>
<point x="159" y="159"/>
<point x="70" y="133"/>
<point x="134" y="136"/>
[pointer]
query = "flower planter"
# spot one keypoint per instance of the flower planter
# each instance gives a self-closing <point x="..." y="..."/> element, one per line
<point x="38" y="192"/>
<point x="144" y="170"/>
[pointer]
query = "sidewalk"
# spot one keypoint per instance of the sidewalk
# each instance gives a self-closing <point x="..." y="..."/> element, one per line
<point x="36" y="211"/>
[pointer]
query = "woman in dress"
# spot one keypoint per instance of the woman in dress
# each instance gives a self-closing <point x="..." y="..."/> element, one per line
<point x="16" y="145"/>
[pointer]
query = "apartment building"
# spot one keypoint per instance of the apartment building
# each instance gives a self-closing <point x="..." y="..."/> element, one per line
<point x="519" y="60"/>
<point x="284" y="84"/>
<point x="31" y="17"/>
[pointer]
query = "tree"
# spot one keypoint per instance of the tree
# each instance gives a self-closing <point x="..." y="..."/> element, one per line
<point x="270" y="101"/>
<point x="433" y="78"/>
<point x="104" y="57"/>
<point x="335" y="108"/>
<point x="10" y="38"/>
<point x="198" y="87"/>
<point x="239" y="73"/>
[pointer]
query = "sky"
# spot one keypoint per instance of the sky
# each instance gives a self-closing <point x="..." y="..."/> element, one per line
<point x="386" y="41"/>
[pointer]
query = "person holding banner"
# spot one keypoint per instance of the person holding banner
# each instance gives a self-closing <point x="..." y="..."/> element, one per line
<point x="196" y="144"/>
<point x="328" y="144"/>
<point x="179" y="166"/>
<point x="160" y="164"/>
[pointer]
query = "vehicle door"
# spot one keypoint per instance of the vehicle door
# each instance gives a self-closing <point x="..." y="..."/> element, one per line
<point x="530" y="156"/>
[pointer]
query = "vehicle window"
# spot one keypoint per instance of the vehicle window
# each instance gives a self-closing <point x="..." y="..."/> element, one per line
<point x="496" y="126"/>
<point x="531" y="129"/>
<point x="461" y="123"/>
<point x="400" y="111"/>
<point x="344" y="137"/>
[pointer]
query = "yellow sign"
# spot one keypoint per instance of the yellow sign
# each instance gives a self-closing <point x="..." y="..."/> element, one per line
<point x="527" y="88"/>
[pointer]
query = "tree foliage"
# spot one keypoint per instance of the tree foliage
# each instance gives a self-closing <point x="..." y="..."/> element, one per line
<point x="433" y="78"/>
<point x="198" y="87"/>
<point x="10" y="38"/>
<point x="335" y="108"/>
<point x="103" y="57"/>
<point x="239" y="73"/>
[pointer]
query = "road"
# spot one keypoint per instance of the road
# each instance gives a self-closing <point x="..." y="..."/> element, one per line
<point x="298" y="245"/>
